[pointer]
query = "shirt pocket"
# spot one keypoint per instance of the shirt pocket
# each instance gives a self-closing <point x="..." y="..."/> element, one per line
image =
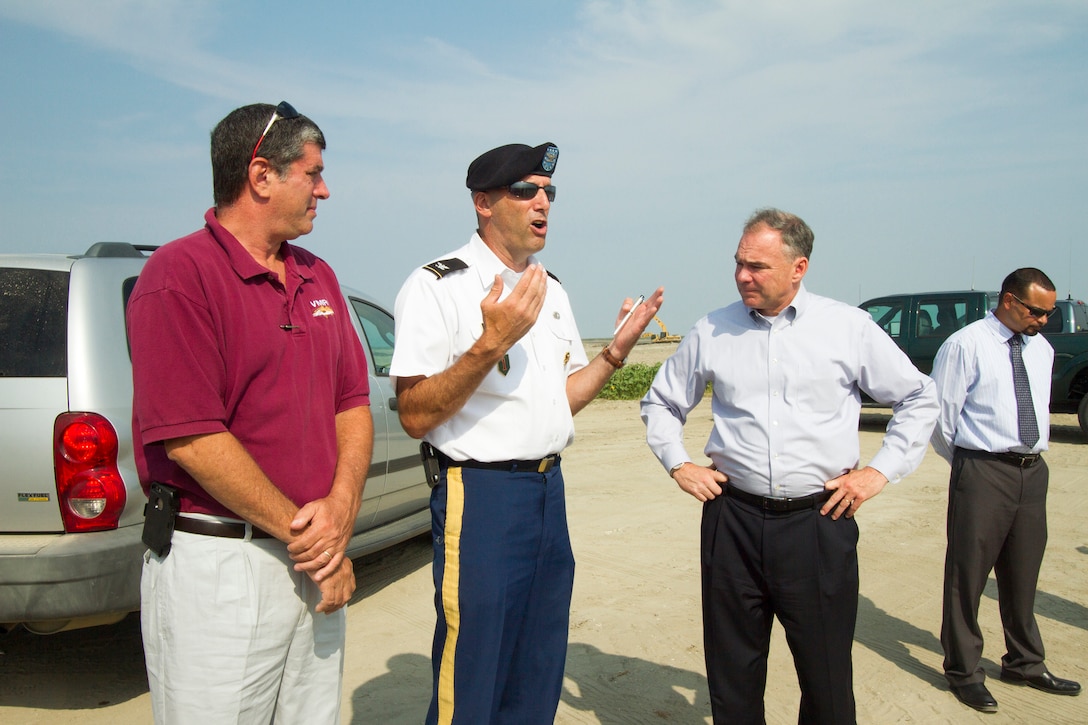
<point x="561" y="341"/>
<point x="468" y="327"/>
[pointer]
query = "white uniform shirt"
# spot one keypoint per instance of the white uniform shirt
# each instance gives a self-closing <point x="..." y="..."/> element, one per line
<point x="787" y="395"/>
<point x="973" y="373"/>
<point x="522" y="414"/>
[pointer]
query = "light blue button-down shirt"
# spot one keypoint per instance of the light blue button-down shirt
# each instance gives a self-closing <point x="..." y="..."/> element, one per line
<point x="787" y="396"/>
<point x="973" y="373"/>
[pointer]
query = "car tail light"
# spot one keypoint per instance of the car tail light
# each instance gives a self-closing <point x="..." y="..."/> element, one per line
<point x="89" y="486"/>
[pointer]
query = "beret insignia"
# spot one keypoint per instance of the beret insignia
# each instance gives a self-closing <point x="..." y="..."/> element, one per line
<point x="551" y="155"/>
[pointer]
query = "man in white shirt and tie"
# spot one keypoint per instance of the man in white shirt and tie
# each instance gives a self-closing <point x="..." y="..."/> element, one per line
<point x="993" y="382"/>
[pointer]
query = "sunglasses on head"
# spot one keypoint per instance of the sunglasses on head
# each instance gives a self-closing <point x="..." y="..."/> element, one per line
<point x="283" y="110"/>
<point x="1036" y="312"/>
<point x="525" y="190"/>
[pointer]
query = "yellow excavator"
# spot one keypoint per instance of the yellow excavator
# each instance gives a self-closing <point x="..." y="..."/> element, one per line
<point x="663" y="336"/>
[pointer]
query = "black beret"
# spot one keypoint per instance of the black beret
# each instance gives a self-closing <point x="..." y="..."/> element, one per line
<point x="509" y="164"/>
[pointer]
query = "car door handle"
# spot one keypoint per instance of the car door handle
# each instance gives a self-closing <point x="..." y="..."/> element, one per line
<point x="393" y="403"/>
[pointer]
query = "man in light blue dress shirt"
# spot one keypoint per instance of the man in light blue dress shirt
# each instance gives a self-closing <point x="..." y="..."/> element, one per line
<point x="993" y="429"/>
<point x="787" y="369"/>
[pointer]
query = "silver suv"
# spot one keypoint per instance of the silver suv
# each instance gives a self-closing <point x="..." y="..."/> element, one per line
<point x="71" y="507"/>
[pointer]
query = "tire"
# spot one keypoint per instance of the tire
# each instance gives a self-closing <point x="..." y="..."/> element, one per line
<point x="1082" y="414"/>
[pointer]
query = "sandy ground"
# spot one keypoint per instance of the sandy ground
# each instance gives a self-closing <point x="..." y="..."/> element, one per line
<point x="635" y="639"/>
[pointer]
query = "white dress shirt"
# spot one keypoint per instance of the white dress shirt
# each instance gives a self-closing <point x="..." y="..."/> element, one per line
<point x="973" y="373"/>
<point x="520" y="414"/>
<point x="787" y="395"/>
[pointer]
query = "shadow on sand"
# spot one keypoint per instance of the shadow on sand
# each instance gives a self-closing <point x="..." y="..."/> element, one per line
<point x="621" y="690"/>
<point x="615" y="689"/>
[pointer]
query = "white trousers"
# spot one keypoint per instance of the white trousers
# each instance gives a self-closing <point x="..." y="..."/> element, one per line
<point x="231" y="636"/>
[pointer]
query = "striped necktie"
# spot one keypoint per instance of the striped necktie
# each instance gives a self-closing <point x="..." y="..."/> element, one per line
<point x="1025" y="407"/>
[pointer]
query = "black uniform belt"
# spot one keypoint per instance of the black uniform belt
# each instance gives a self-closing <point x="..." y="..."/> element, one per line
<point x="540" y="465"/>
<point x="207" y="527"/>
<point x="779" y="505"/>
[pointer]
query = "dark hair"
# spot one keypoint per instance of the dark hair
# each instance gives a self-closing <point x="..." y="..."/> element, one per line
<point x="234" y="138"/>
<point x="1018" y="281"/>
<point x="796" y="235"/>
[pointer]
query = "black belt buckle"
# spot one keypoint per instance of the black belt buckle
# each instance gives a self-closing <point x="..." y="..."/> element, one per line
<point x="778" y="505"/>
<point x="1027" y="459"/>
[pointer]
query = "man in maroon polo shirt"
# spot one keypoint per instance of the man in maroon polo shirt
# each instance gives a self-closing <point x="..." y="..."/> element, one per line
<point x="251" y="402"/>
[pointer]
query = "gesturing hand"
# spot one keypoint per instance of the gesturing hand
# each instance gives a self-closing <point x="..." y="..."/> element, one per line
<point x="507" y="322"/>
<point x="629" y="334"/>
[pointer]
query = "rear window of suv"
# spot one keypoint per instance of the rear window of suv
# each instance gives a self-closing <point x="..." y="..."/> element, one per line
<point x="33" y="323"/>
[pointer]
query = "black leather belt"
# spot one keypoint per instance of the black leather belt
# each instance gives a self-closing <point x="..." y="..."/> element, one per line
<point x="779" y="505"/>
<point x="540" y="465"/>
<point x="207" y="527"/>
<point x="1020" y="460"/>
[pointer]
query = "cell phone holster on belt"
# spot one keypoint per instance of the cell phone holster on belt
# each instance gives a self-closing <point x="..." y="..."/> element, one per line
<point x="432" y="470"/>
<point x="160" y="511"/>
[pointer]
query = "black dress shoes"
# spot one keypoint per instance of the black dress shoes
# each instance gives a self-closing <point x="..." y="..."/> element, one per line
<point x="1045" y="682"/>
<point x="975" y="695"/>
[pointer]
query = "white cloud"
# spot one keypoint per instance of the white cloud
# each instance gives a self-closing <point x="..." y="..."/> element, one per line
<point x="152" y="31"/>
<point x="938" y="124"/>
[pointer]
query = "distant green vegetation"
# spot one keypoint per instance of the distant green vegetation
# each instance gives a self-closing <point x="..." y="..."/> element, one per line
<point x="629" y="382"/>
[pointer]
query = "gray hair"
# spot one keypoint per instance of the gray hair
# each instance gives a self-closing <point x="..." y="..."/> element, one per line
<point x="796" y="236"/>
<point x="235" y="137"/>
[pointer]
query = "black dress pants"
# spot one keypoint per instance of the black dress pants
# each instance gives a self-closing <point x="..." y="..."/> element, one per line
<point x="800" y="567"/>
<point x="996" y="521"/>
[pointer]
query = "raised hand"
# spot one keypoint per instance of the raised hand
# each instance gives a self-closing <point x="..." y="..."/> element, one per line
<point x="507" y="321"/>
<point x="629" y="334"/>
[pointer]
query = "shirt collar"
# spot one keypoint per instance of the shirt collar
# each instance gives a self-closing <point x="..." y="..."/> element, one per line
<point x="1004" y="334"/>
<point x="488" y="264"/>
<point x="244" y="265"/>
<point x="789" y="314"/>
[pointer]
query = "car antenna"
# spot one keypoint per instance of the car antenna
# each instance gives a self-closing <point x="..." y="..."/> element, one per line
<point x="1070" y="268"/>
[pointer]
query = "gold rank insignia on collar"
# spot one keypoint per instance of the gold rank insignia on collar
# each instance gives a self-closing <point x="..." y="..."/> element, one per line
<point x="504" y="364"/>
<point x="566" y="358"/>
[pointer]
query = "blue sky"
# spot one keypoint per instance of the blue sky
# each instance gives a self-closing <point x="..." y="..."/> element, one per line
<point x="930" y="145"/>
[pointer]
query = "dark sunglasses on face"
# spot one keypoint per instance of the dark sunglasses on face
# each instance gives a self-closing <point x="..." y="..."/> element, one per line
<point x="284" y="110"/>
<point x="525" y="191"/>
<point x="1036" y="312"/>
